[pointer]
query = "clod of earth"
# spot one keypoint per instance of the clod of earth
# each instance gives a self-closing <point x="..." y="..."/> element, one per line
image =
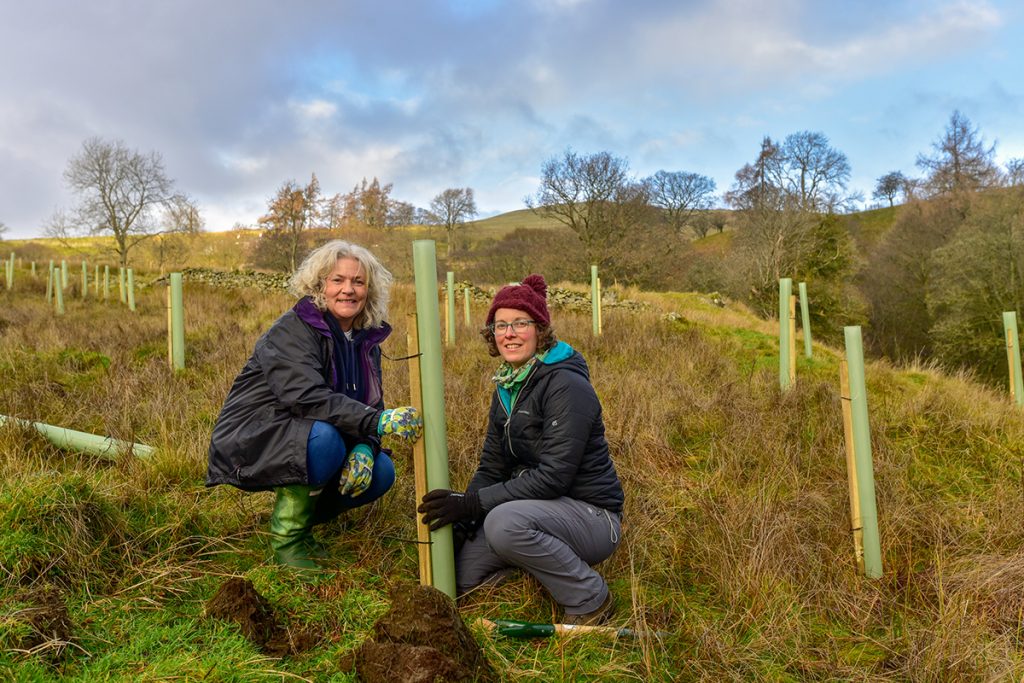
<point x="421" y="639"/>
<point x="237" y="600"/>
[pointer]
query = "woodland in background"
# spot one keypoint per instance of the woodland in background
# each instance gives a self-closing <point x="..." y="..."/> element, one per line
<point x="927" y="276"/>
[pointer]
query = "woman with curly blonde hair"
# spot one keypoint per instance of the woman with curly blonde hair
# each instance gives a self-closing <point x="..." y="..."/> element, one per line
<point x="305" y="415"/>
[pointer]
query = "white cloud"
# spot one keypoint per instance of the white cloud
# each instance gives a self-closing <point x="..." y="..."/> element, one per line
<point x="314" y="109"/>
<point x="247" y="165"/>
<point x="735" y="46"/>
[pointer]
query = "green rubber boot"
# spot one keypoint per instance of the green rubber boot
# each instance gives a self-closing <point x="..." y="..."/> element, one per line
<point x="291" y="523"/>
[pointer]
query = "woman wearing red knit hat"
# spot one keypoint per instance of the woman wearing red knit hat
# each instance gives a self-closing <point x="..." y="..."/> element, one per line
<point x="545" y="497"/>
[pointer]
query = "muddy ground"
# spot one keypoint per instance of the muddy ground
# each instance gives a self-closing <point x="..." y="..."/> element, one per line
<point x="421" y="639"/>
<point x="237" y="600"/>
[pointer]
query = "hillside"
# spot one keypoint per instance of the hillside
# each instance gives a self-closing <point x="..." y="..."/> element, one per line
<point x="736" y="537"/>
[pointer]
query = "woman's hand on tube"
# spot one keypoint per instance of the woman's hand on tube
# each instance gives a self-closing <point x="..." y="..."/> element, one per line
<point x="442" y="506"/>
<point x="404" y="422"/>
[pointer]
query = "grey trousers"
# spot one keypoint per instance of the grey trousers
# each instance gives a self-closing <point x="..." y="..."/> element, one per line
<point x="554" y="540"/>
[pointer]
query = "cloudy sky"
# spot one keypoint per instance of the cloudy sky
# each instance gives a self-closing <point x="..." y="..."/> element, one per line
<point x="239" y="97"/>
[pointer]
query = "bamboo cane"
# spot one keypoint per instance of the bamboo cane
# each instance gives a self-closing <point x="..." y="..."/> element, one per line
<point x="851" y="466"/>
<point x="419" y="455"/>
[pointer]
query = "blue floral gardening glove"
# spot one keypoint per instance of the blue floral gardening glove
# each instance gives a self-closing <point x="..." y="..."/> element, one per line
<point x="357" y="471"/>
<point x="404" y="422"/>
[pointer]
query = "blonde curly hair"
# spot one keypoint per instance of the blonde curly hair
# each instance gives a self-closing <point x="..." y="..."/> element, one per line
<point x="310" y="279"/>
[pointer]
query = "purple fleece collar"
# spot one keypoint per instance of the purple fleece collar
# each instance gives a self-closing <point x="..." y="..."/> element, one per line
<point x="314" y="317"/>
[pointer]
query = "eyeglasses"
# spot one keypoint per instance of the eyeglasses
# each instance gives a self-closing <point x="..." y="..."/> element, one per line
<point x="501" y="328"/>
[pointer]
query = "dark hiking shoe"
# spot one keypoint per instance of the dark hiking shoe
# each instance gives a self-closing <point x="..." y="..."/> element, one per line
<point x="597" y="617"/>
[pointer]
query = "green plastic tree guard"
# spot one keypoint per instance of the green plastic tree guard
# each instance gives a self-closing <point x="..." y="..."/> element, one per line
<point x="59" y="295"/>
<point x="63" y="274"/>
<point x="33" y="269"/>
<point x="862" y="452"/>
<point x="121" y="284"/>
<point x="49" y="285"/>
<point x="85" y="279"/>
<point x="595" y="301"/>
<point x="106" y="283"/>
<point x="131" y="290"/>
<point x="465" y="300"/>
<point x="805" y="319"/>
<point x="785" y="291"/>
<point x="102" y="446"/>
<point x="1013" y="357"/>
<point x="96" y="281"/>
<point x="435" y="438"/>
<point x="450" y="318"/>
<point x="177" y="330"/>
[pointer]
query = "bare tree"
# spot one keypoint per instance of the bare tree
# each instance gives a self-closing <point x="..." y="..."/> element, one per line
<point x="183" y="215"/>
<point x="1015" y="172"/>
<point x="3" y="229"/>
<point x="889" y="186"/>
<point x="453" y="208"/>
<point x="961" y="162"/>
<point x="681" y="195"/>
<point x="760" y="184"/>
<point x="785" y="225"/>
<point x="816" y="173"/>
<point x="577" y="191"/>
<point x="119" y="192"/>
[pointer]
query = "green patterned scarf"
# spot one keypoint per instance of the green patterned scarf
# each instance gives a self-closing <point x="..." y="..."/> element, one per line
<point x="507" y="376"/>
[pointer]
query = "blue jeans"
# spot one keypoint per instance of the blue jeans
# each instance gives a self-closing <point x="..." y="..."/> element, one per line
<point x="326" y="452"/>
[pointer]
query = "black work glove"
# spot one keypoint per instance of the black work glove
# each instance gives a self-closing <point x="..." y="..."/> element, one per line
<point x="441" y="507"/>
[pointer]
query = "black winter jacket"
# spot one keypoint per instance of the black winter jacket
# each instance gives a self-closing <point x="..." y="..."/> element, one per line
<point x="290" y="381"/>
<point x="551" y="443"/>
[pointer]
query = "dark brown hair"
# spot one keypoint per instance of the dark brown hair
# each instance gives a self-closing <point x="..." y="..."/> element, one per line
<point x="545" y="339"/>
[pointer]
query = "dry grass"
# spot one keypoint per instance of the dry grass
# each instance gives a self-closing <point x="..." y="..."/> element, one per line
<point x="736" y="524"/>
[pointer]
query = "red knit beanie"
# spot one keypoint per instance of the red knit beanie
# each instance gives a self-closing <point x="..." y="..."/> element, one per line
<point x="530" y="295"/>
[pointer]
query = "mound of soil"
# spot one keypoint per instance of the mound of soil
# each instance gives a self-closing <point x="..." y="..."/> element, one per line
<point x="237" y="600"/>
<point x="47" y="619"/>
<point x="421" y="639"/>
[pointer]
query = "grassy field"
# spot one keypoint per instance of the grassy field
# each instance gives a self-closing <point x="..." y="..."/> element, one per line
<point x="736" y="535"/>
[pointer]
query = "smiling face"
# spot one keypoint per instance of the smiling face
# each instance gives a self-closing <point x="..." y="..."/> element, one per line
<point x="514" y="346"/>
<point x="345" y="291"/>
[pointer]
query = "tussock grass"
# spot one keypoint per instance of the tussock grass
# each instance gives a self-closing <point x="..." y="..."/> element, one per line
<point x="736" y="533"/>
